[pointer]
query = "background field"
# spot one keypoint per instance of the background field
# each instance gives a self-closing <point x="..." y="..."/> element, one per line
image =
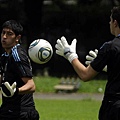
<point x="57" y="109"/>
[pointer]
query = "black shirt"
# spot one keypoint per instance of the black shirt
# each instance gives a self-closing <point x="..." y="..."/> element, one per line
<point x="109" y="54"/>
<point x="13" y="67"/>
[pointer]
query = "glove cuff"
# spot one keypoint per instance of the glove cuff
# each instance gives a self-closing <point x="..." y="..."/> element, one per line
<point x="72" y="57"/>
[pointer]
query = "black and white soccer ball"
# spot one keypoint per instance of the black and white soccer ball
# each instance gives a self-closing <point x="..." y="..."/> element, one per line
<point x="40" y="51"/>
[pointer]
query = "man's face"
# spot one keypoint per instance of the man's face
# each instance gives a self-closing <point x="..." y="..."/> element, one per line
<point x="8" y="38"/>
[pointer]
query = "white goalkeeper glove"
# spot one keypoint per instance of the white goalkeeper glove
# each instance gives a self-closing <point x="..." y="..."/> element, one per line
<point x="66" y="50"/>
<point x="8" y="90"/>
<point x="92" y="55"/>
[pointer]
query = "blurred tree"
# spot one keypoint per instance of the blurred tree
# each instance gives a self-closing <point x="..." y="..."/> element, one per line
<point x="110" y="2"/>
<point x="33" y="10"/>
<point x="11" y="9"/>
<point x="86" y="20"/>
<point x="81" y="21"/>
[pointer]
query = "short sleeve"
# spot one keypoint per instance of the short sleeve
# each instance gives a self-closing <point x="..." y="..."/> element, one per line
<point x="22" y="62"/>
<point x="102" y="58"/>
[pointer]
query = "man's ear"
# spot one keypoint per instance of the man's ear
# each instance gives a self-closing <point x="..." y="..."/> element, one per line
<point x="18" y="38"/>
<point x="115" y="23"/>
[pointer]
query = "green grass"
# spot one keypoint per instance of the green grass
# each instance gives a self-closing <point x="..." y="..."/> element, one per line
<point x="46" y="85"/>
<point x="68" y="109"/>
<point x="86" y="109"/>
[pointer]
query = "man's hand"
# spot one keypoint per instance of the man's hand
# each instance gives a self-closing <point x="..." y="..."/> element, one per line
<point x="8" y="90"/>
<point x="92" y="55"/>
<point x="66" y="50"/>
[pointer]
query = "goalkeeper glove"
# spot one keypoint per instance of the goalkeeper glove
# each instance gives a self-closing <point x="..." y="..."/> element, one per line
<point x="92" y="55"/>
<point x="9" y="90"/>
<point x="66" y="50"/>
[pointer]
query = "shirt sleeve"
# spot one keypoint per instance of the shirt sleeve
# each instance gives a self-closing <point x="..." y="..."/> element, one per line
<point x="22" y="63"/>
<point x="102" y="58"/>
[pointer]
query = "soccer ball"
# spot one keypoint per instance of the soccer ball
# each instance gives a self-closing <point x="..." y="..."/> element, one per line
<point x="40" y="51"/>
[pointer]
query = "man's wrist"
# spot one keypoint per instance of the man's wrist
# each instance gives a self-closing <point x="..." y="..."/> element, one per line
<point x="72" y="57"/>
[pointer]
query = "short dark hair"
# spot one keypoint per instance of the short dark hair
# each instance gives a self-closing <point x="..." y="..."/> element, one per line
<point x="15" y="26"/>
<point x="115" y="14"/>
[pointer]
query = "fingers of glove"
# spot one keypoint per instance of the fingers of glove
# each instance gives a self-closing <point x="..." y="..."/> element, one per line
<point x="9" y="87"/>
<point x="59" y="52"/>
<point x="89" y="58"/>
<point x="96" y="51"/>
<point x="59" y="48"/>
<point x="59" y="45"/>
<point x="6" y="89"/>
<point x="105" y="69"/>
<point x="64" y="41"/>
<point x="14" y="85"/>
<point x="93" y="54"/>
<point x="73" y="46"/>
<point x="4" y="93"/>
<point x="87" y="62"/>
<point x="74" y="42"/>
